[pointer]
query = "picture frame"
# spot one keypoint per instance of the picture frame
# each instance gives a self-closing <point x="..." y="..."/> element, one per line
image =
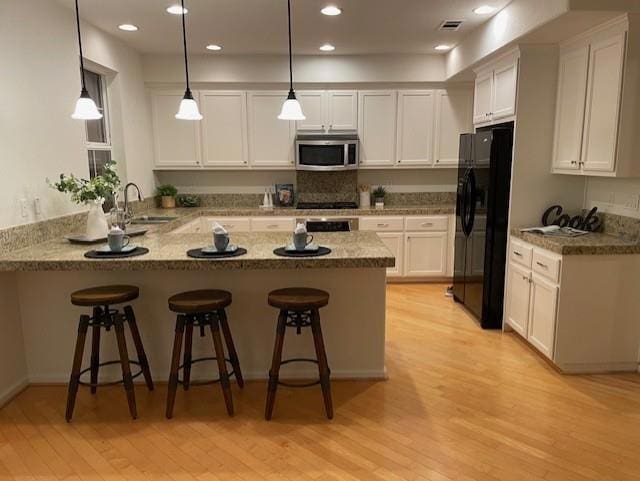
<point x="284" y="195"/>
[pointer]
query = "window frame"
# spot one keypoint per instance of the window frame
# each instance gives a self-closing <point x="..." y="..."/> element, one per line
<point x="105" y="112"/>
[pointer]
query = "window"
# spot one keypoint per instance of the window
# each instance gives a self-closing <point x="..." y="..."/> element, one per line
<point x="98" y="135"/>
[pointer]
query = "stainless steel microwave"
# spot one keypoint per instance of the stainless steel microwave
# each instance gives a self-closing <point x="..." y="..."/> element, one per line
<point x="325" y="152"/>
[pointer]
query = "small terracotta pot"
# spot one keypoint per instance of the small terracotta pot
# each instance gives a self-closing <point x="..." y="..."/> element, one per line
<point x="168" y="202"/>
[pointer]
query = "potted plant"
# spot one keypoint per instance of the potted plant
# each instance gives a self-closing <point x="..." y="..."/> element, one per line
<point x="93" y="194"/>
<point x="379" y="194"/>
<point x="167" y="194"/>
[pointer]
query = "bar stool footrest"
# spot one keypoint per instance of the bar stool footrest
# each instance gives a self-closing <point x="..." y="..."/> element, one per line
<point x="299" y="385"/>
<point x="111" y="383"/>
<point x="205" y="382"/>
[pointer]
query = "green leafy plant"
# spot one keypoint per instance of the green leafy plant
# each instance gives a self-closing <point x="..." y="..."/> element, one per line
<point x="101" y="187"/>
<point x="188" y="200"/>
<point x="166" y="190"/>
<point x="379" y="192"/>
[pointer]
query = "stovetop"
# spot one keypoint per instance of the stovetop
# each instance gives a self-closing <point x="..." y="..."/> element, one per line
<point x="327" y="205"/>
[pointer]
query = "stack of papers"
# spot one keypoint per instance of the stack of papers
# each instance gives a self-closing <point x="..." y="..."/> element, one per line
<point x="556" y="230"/>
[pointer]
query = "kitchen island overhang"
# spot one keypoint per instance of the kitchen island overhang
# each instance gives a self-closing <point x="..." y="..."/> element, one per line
<point x="354" y="274"/>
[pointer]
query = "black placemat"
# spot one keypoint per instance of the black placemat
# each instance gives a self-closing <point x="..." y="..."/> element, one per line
<point x="282" y="252"/>
<point x="198" y="254"/>
<point x="138" y="251"/>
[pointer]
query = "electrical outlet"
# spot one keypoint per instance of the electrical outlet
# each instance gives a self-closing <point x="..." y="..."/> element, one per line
<point x="23" y="208"/>
<point x="633" y="202"/>
<point x="37" y="206"/>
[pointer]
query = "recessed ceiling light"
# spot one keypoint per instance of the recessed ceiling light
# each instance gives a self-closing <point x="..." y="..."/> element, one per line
<point x="331" y="10"/>
<point x="177" y="10"/>
<point x="327" y="47"/>
<point x="484" y="10"/>
<point x="128" y="27"/>
<point x="214" y="47"/>
<point x="442" y="47"/>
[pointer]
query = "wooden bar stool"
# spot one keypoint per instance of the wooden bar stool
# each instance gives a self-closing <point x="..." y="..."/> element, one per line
<point x="200" y="309"/>
<point x="299" y="307"/>
<point x="105" y="316"/>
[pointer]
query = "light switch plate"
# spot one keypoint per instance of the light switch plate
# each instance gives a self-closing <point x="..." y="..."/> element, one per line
<point x="23" y="208"/>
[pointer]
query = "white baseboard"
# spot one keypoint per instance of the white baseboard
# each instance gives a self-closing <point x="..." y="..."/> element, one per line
<point x="598" y="368"/>
<point x="12" y="391"/>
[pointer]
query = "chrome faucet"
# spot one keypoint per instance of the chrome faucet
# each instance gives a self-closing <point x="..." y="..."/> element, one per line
<point x="127" y="208"/>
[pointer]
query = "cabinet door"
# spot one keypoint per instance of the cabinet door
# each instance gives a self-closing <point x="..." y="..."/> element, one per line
<point x="377" y="127"/>
<point x="342" y="106"/>
<point x="505" y="84"/>
<point x="224" y="129"/>
<point x="313" y="103"/>
<point x="270" y="139"/>
<point x="453" y="117"/>
<point x="518" y="298"/>
<point x="542" y="318"/>
<point x="604" y="90"/>
<point x="416" y="110"/>
<point x="483" y="98"/>
<point x="572" y="88"/>
<point x="425" y="254"/>
<point x="395" y="243"/>
<point x="176" y="143"/>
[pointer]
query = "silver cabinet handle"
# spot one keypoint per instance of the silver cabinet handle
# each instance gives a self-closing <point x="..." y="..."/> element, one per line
<point x="383" y="225"/>
<point x="542" y="265"/>
<point x="272" y="226"/>
<point x="230" y="226"/>
<point x="427" y="224"/>
<point x="525" y="278"/>
<point x="517" y="253"/>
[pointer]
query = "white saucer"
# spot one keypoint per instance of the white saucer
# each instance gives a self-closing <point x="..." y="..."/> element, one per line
<point x="107" y="250"/>
<point x="313" y="247"/>
<point x="231" y="248"/>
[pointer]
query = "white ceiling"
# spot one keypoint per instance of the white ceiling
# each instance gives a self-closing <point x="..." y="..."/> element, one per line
<point x="259" y="26"/>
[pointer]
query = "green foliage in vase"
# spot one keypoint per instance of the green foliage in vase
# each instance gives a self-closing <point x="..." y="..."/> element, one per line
<point x="101" y="187"/>
<point x="166" y="190"/>
<point x="379" y="192"/>
<point x="188" y="200"/>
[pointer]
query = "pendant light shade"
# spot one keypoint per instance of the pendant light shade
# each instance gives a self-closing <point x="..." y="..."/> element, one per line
<point x="86" y="108"/>
<point x="291" y="109"/>
<point x="188" y="109"/>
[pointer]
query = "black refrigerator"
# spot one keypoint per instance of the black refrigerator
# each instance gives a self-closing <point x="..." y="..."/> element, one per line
<point x="482" y="215"/>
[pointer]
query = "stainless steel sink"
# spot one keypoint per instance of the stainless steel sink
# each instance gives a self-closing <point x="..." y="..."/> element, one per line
<point x="151" y="219"/>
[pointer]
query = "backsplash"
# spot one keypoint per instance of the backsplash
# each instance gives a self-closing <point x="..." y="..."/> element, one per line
<point x="327" y="186"/>
<point x="620" y="226"/>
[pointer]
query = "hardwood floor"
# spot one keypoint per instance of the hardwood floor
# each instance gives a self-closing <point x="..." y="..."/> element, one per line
<point x="460" y="404"/>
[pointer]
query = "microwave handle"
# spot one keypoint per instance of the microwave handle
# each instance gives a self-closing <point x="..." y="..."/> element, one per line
<point x="346" y="155"/>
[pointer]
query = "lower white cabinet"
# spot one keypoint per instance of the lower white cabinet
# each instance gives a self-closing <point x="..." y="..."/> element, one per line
<point x="273" y="224"/>
<point x="519" y="298"/>
<point x="395" y="243"/>
<point x="542" y="318"/>
<point x="425" y="254"/>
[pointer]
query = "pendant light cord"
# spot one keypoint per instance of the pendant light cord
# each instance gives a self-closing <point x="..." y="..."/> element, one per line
<point x="184" y="45"/>
<point x="80" y="45"/>
<point x="290" y="48"/>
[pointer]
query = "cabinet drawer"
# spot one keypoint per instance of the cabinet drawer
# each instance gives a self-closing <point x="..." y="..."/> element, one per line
<point x="382" y="224"/>
<point x="546" y="265"/>
<point x="232" y="224"/>
<point x="273" y="224"/>
<point x="431" y="223"/>
<point x="520" y="253"/>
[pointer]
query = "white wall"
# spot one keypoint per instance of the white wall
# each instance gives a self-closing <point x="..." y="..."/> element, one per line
<point x="40" y="83"/>
<point x="13" y="366"/>
<point x="615" y="196"/>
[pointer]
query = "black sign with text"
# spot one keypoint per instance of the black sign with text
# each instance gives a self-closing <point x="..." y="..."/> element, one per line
<point x="554" y="216"/>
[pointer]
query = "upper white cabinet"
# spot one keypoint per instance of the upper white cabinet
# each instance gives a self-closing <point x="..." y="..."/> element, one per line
<point x="224" y="128"/>
<point x="415" y="127"/>
<point x="328" y="111"/>
<point x="176" y="143"/>
<point x="270" y="139"/>
<point x="453" y="112"/>
<point x="597" y="102"/>
<point x="377" y="127"/>
<point x="495" y="90"/>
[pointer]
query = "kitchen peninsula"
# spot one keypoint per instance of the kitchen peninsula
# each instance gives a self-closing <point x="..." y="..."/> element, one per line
<point x="353" y="273"/>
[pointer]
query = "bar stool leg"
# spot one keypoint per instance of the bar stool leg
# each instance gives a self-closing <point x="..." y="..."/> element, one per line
<point x="137" y="341"/>
<point x="77" y="365"/>
<point x="175" y="364"/>
<point x="274" y="372"/>
<point x="188" y="354"/>
<point x="95" y="348"/>
<point x="323" y="365"/>
<point x="233" y="355"/>
<point x="124" y="362"/>
<point x="222" y="365"/>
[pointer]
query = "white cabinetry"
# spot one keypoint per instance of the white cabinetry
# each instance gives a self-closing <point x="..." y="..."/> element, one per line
<point x="495" y="90"/>
<point x="542" y="318"/>
<point x="270" y="139"/>
<point x="395" y="243"/>
<point x="415" y="127"/>
<point x="313" y="103"/>
<point x="453" y="117"/>
<point x="224" y="128"/>
<point x="597" y="102"/>
<point x="518" y="299"/>
<point x="176" y="143"/>
<point x="377" y="127"/>
<point x="425" y="254"/>
<point x="328" y="110"/>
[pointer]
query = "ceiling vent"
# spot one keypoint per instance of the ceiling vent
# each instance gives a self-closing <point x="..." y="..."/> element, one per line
<point x="450" y="25"/>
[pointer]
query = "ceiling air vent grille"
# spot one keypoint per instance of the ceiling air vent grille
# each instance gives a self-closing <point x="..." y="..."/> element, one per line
<point x="450" y="25"/>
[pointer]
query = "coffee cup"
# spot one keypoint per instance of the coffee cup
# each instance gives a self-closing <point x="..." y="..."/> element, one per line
<point x="301" y="240"/>
<point x="221" y="241"/>
<point x="117" y="239"/>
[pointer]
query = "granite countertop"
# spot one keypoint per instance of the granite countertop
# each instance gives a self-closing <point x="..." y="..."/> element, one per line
<point x="595" y="243"/>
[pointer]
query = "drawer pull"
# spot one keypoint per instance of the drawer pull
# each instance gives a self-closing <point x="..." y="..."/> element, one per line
<point x="228" y="226"/>
<point x="525" y="278"/>
<point x="272" y="226"/>
<point x="427" y="224"/>
<point x="517" y="253"/>
<point x="383" y="225"/>
<point x="544" y="266"/>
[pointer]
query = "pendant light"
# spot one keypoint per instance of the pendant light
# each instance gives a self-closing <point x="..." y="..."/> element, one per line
<point x="291" y="109"/>
<point x="85" y="106"/>
<point x="188" y="107"/>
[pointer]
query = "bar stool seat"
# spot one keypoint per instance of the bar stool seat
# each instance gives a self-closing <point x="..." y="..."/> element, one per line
<point x="104" y="295"/>
<point x="298" y="298"/>
<point x="193" y="302"/>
